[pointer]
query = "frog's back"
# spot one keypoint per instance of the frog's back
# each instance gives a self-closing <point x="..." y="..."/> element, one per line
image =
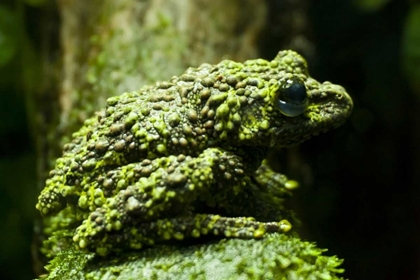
<point x="168" y="118"/>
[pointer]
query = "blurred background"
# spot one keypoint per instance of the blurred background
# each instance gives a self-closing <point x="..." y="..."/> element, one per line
<point x="360" y="188"/>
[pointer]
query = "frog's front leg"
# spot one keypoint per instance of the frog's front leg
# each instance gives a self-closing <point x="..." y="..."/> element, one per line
<point x="262" y="195"/>
<point x="271" y="189"/>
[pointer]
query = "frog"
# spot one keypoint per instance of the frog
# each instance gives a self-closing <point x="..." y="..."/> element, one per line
<point x="186" y="158"/>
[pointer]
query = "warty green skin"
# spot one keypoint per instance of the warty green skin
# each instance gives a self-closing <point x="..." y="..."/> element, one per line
<point x="183" y="158"/>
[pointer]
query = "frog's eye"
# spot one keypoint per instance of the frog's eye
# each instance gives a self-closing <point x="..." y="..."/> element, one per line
<point x="292" y="98"/>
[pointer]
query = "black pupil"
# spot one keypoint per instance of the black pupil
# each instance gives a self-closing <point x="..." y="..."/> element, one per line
<point x="295" y="93"/>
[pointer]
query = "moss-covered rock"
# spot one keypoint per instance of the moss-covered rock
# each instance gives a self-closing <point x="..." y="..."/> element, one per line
<point x="278" y="256"/>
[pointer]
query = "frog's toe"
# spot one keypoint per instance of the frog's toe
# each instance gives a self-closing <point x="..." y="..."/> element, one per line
<point x="245" y="227"/>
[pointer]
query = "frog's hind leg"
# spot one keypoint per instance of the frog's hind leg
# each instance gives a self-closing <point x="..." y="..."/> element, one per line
<point x="154" y="193"/>
<point x="181" y="228"/>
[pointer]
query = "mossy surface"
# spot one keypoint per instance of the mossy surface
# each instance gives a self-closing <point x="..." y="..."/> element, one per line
<point x="277" y="256"/>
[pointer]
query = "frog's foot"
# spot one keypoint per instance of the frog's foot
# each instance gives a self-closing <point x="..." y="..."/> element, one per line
<point x="274" y="183"/>
<point x="181" y="228"/>
<point x="50" y="201"/>
<point x="272" y="187"/>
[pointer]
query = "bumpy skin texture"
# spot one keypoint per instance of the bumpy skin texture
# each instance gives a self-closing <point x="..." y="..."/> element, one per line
<point x="183" y="158"/>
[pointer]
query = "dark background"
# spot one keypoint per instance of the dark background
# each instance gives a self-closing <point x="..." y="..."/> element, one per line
<point x="360" y="188"/>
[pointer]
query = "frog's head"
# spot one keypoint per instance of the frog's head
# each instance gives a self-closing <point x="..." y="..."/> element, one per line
<point x="284" y="105"/>
<point x="304" y="108"/>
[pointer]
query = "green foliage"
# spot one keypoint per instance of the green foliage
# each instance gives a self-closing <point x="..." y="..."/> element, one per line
<point x="370" y="5"/>
<point x="35" y="3"/>
<point x="9" y="33"/>
<point x="411" y="48"/>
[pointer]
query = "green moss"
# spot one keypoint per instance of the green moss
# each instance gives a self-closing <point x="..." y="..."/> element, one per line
<point x="278" y="256"/>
